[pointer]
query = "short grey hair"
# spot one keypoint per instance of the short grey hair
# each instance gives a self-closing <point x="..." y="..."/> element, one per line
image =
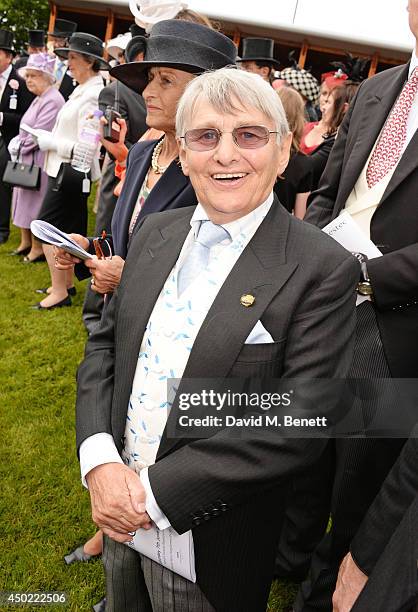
<point x="222" y="89"/>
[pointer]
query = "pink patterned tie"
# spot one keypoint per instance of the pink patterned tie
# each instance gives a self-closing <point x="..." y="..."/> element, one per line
<point x="392" y="138"/>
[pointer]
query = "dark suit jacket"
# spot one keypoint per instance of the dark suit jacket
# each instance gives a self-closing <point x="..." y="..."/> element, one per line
<point x="173" y="190"/>
<point x="386" y="545"/>
<point x="11" y="118"/>
<point x="394" y="225"/>
<point x="67" y="86"/>
<point x="303" y="283"/>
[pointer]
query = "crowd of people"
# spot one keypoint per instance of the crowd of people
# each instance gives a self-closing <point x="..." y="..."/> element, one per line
<point x="207" y="262"/>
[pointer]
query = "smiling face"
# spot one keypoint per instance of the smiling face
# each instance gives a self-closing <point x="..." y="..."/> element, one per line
<point x="230" y="181"/>
<point x="164" y="90"/>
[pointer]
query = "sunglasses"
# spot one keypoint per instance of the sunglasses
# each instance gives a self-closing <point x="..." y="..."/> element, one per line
<point x="245" y="137"/>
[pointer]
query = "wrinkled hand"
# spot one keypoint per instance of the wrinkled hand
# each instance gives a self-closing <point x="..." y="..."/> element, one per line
<point x="117" y="500"/>
<point x="106" y="273"/>
<point x="65" y="261"/>
<point x="118" y="149"/>
<point x="350" y="583"/>
<point x="46" y="141"/>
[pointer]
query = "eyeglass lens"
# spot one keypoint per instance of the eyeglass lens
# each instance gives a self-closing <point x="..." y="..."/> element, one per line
<point x="246" y="137"/>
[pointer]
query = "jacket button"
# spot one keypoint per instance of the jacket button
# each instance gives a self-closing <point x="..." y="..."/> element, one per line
<point x="206" y="516"/>
<point x="196" y="521"/>
<point x="224" y="507"/>
<point x="215" y="512"/>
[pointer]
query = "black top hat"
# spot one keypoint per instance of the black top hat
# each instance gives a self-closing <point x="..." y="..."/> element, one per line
<point x="86" y="44"/>
<point x="135" y="45"/>
<point x="182" y="45"/>
<point x="258" y="50"/>
<point x="63" y="28"/>
<point x="36" y="38"/>
<point x="6" y="41"/>
<point x="136" y="30"/>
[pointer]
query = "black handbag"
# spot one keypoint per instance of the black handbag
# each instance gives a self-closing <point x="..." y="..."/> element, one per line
<point x="18" y="174"/>
<point x="70" y="180"/>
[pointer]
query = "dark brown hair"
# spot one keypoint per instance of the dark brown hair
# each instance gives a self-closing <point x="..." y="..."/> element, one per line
<point x="342" y="95"/>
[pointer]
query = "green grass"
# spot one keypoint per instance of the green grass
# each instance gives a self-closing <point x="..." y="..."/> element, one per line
<point x="44" y="510"/>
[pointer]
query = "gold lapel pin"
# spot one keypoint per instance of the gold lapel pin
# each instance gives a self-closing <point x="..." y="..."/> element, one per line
<point x="247" y="300"/>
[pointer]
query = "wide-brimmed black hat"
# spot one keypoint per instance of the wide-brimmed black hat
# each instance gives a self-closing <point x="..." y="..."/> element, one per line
<point x="258" y="50"/>
<point x="6" y="41"/>
<point x="86" y="44"/>
<point x="36" y="38"/>
<point x="63" y="28"/>
<point x="182" y="45"/>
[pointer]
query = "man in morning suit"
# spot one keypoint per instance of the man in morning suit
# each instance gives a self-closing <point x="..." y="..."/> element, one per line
<point x="15" y="99"/>
<point x="235" y="287"/>
<point x="372" y="173"/>
<point x="57" y="39"/>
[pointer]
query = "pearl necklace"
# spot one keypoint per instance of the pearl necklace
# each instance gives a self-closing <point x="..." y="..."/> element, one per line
<point x="155" y="157"/>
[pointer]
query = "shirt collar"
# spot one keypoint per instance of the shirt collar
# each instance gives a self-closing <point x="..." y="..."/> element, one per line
<point x="413" y="64"/>
<point x="7" y="72"/>
<point x="235" y="228"/>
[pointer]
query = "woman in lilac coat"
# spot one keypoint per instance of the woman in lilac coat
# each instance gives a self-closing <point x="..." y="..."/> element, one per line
<point x="42" y="113"/>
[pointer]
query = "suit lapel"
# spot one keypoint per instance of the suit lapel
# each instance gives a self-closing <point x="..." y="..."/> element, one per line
<point x="261" y="271"/>
<point x="126" y="204"/>
<point x="156" y="259"/>
<point x="373" y="116"/>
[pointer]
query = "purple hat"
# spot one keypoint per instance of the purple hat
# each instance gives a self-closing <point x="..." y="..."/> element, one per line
<point x="41" y="62"/>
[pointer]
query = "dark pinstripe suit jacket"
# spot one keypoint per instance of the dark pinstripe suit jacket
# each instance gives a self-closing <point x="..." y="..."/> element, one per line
<point x="394" y="225"/>
<point x="303" y="283"/>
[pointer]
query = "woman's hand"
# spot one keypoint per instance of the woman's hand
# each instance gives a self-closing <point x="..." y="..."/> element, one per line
<point x="64" y="260"/>
<point x="118" y="149"/>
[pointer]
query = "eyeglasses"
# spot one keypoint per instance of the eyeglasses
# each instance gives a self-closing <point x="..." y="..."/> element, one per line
<point x="245" y="137"/>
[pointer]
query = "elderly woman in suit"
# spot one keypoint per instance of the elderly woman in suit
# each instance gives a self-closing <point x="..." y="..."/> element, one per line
<point x="67" y="209"/>
<point x="42" y="113"/>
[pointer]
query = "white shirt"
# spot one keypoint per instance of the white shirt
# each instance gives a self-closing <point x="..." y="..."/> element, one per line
<point x="100" y="448"/>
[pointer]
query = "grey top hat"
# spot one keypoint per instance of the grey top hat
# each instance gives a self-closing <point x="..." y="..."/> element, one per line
<point x="182" y="45"/>
<point x="6" y="41"/>
<point x="63" y="28"/>
<point x="86" y="44"/>
<point x="36" y="38"/>
<point x="258" y="50"/>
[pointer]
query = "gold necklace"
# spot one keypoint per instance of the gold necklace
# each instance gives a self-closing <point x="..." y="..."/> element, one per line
<point x="155" y="157"/>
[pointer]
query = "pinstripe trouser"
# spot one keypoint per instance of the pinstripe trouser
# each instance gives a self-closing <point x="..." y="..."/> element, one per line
<point x="135" y="583"/>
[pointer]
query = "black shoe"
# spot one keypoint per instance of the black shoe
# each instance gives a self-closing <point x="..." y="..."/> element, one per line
<point x="65" y="302"/>
<point x="100" y="606"/>
<point x="36" y="260"/>
<point x="71" y="291"/>
<point x="77" y="555"/>
<point x="21" y="252"/>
